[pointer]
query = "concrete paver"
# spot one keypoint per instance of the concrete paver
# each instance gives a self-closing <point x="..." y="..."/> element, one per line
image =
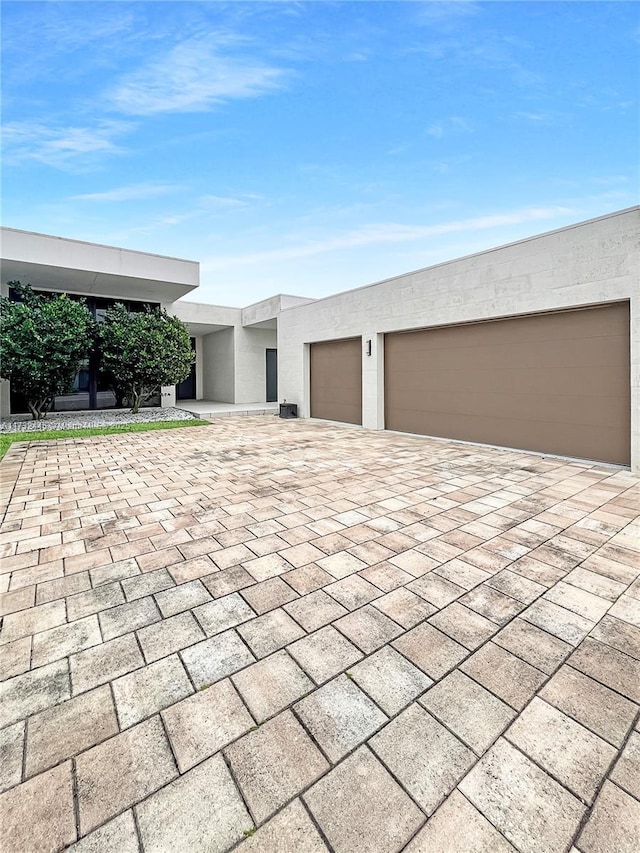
<point x="274" y="763"/>
<point x="457" y="826"/>
<point x="270" y="632"/>
<point x="360" y="807"/>
<point x="390" y="679"/>
<point x="532" y="810"/>
<point x="423" y="755"/>
<point x="288" y="636"/>
<point x="200" y="811"/>
<point x="65" y="730"/>
<point x="474" y="714"/>
<point x="340" y="717"/>
<point x="117" y="834"/>
<point x="203" y="724"/>
<point x="11" y="751"/>
<point x="146" y="691"/>
<point x="324" y="654"/>
<point x="290" y="829"/>
<point x="565" y="749"/>
<point x="591" y="703"/>
<point x="122" y="771"/>
<point x="38" y="815"/>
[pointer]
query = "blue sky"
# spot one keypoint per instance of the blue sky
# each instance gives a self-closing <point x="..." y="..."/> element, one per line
<point x="311" y="147"/>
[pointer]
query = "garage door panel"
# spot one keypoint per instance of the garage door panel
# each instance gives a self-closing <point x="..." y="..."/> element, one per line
<point x="529" y="329"/>
<point x="336" y="380"/>
<point x="553" y="382"/>
<point x="490" y="431"/>
<point x="525" y="408"/>
<point x="556" y="383"/>
<point x="542" y="355"/>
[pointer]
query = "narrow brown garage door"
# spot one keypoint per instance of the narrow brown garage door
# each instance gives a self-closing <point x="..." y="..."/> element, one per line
<point x="336" y="380"/>
<point x="555" y="383"/>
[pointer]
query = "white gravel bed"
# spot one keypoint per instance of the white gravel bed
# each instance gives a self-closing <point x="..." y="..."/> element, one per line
<point x="84" y="420"/>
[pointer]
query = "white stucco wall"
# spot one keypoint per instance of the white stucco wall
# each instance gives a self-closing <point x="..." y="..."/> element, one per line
<point x="586" y="264"/>
<point x="218" y="361"/>
<point x="250" y="363"/>
<point x="268" y="309"/>
<point x="198" y="315"/>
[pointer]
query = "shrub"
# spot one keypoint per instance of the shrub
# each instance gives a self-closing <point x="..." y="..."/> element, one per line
<point x="144" y="350"/>
<point x="43" y="341"/>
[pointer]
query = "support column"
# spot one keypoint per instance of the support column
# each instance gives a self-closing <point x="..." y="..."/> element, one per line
<point x="373" y="380"/>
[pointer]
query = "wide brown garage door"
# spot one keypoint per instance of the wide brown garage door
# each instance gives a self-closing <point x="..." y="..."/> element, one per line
<point x="555" y="383"/>
<point x="336" y="380"/>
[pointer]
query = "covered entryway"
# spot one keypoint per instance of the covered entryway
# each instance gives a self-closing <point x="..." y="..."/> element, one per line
<point x="555" y="383"/>
<point x="336" y="380"/>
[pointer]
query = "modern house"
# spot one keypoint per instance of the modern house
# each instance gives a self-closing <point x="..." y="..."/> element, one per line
<point x="533" y="345"/>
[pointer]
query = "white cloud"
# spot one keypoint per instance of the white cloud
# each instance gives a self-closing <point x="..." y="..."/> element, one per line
<point x="216" y="202"/>
<point x="387" y="232"/>
<point x="193" y="77"/>
<point x="541" y="118"/>
<point x="446" y="126"/>
<point x="445" y="13"/>
<point x="133" y="192"/>
<point x="62" y="147"/>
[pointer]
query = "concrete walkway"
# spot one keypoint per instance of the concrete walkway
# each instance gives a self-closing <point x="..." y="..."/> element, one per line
<point x="268" y="635"/>
<point x="207" y="409"/>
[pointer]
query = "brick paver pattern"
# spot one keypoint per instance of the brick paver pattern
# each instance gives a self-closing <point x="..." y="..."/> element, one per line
<point x="268" y="635"/>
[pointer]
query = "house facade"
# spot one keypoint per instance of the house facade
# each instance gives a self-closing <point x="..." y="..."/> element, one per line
<point x="534" y="345"/>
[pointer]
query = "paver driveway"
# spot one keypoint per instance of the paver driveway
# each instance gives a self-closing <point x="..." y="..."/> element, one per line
<point x="350" y="640"/>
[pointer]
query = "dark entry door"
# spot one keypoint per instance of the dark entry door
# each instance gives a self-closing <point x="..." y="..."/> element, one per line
<point x="272" y="375"/>
<point x="186" y="390"/>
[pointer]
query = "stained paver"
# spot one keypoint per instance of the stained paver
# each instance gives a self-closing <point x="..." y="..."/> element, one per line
<point x="275" y="636"/>
<point x="324" y="654"/>
<point x="146" y="691"/>
<point x="11" y="749"/>
<point x="565" y="749"/>
<point x="122" y="771"/>
<point x="274" y="763"/>
<point x="38" y="815"/>
<point x="360" y="807"/>
<point x="390" y="679"/>
<point x="474" y="714"/>
<point x="423" y="755"/>
<point x="201" y="811"/>
<point x="340" y="717"/>
<point x="526" y="805"/>
<point x="204" y="723"/>
<point x="216" y="658"/>
<point x="291" y="829"/>
<point x="33" y="691"/>
<point x="67" y="729"/>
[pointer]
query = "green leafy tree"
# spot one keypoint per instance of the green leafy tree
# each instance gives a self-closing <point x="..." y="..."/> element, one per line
<point x="43" y="342"/>
<point x="144" y="350"/>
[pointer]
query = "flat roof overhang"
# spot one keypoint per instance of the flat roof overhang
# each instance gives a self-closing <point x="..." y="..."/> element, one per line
<point x="59" y="264"/>
<point x="203" y="319"/>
